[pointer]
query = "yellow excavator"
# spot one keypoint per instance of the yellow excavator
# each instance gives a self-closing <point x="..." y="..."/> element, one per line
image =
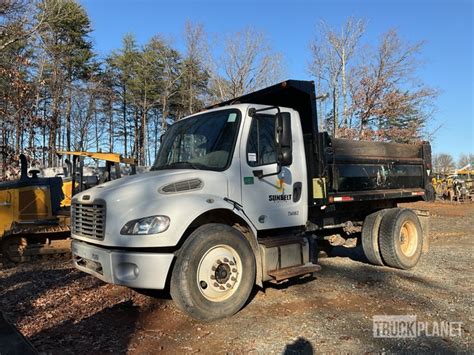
<point x="457" y="186"/>
<point x="81" y="182"/>
<point x="35" y="211"/>
<point x="465" y="179"/>
<point x="32" y="221"/>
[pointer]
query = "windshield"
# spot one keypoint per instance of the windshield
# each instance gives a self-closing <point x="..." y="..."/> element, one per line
<point x="201" y="142"/>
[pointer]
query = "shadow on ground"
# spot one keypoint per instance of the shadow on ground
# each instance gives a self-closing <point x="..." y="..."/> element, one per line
<point x="20" y="290"/>
<point x="109" y="330"/>
<point x="300" y="346"/>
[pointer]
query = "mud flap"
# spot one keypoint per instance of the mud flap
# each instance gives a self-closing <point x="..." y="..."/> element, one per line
<point x="424" y="217"/>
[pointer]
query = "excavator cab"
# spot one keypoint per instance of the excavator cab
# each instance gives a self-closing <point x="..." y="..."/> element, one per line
<point x="75" y="181"/>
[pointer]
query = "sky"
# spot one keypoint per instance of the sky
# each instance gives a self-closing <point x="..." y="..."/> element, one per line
<point x="446" y="27"/>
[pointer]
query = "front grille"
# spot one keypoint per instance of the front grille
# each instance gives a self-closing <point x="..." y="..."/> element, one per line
<point x="88" y="220"/>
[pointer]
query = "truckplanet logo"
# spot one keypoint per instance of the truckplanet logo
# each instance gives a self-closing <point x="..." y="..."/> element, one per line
<point x="406" y="326"/>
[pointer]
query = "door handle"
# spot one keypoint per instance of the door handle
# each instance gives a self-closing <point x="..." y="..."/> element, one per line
<point x="5" y="203"/>
<point x="297" y="188"/>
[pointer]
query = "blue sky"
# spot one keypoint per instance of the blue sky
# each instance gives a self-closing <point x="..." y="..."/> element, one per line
<point x="446" y="26"/>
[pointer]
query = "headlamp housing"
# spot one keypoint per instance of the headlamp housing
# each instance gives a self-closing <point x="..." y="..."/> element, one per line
<point x="146" y="225"/>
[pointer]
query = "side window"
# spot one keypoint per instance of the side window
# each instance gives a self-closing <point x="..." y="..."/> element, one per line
<point x="261" y="148"/>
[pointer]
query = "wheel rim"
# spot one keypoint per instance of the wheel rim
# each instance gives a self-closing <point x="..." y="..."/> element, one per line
<point x="408" y="238"/>
<point x="219" y="273"/>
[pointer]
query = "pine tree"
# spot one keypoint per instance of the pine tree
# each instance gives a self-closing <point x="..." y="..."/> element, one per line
<point x="64" y="35"/>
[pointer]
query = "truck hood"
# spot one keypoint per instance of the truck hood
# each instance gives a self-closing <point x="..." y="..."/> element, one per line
<point x="147" y="185"/>
<point x="177" y="194"/>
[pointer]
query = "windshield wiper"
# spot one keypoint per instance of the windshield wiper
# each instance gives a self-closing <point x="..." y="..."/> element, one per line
<point x="181" y="164"/>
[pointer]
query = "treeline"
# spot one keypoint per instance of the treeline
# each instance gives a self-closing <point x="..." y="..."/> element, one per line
<point x="444" y="163"/>
<point x="56" y="93"/>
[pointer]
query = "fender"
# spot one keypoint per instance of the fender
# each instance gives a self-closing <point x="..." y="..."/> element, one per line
<point x="248" y="231"/>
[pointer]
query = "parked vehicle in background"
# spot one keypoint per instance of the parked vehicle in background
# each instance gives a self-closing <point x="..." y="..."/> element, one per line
<point x="457" y="186"/>
<point x="35" y="210"/>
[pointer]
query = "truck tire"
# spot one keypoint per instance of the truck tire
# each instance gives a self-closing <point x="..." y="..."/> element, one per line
<point x="370" y="237"/>
<point x="214" y="273"/>
<point x="400" y="238"/>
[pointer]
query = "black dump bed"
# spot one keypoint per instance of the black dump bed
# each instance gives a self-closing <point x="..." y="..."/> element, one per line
<point x="341" y="170"/>
<point x="376" y="170"/>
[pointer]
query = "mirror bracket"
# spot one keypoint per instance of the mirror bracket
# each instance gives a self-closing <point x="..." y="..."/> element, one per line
<point x="253" y="111"/>
<point x="260" y="175"/>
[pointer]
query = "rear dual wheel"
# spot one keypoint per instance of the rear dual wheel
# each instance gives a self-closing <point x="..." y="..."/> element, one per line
<point x="370" y="237"/>
<point x="401" y="238"/>
<point x="393" y="237"/>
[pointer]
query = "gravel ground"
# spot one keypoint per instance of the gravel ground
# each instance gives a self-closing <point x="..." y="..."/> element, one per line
<point x="62" y="310"/>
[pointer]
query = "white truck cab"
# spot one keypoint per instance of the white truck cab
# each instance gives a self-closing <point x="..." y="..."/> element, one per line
<point x="225" y="206"/>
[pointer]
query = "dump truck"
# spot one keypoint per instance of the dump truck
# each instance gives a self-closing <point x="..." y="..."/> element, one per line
<point x="247" y="192"/>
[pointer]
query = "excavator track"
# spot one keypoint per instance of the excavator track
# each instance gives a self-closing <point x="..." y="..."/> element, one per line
<point x="29" y="243"/>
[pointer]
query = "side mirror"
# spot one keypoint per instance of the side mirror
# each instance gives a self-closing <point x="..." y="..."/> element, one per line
<point x="283" y="139"/>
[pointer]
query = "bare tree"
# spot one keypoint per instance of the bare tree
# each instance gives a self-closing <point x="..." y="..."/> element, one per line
<point x="331" y="52"/>
<point x="17" y="21"/>
<point x="194" y="74"/>
<point x="443" y="163"/>
<point x="83" y="114"/>
<point x="465" y="159"/>
<point x="325" y="67"/>
<point x="247" y="64"/>
<point x="385" y="91"/>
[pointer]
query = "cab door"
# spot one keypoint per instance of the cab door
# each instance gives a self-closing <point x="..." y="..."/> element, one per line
<point x="278" y="200"/>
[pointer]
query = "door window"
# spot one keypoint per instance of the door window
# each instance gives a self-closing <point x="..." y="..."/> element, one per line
<point x="261" y="149"/>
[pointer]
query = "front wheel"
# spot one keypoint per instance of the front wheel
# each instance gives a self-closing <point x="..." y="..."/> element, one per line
<point x="214" y="273"/>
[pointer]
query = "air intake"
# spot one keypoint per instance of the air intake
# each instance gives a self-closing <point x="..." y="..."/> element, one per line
<point x="181" y="186"/>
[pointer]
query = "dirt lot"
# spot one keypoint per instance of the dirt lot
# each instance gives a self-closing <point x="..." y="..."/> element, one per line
<point x="64" y="311"/>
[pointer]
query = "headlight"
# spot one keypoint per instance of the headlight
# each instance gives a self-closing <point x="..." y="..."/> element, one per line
<point x="147" y="225"/>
